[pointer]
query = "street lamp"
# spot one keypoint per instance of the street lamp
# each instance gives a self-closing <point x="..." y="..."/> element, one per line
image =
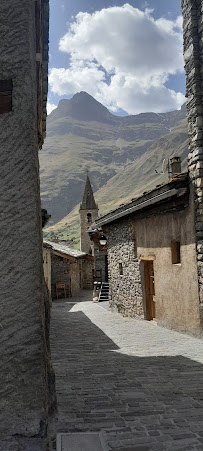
<point x="103" y="240"/>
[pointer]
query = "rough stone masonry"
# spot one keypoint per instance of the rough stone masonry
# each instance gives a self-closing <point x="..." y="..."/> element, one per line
<point x="193" y="53"/>
<point x="26" y="377"/>
<point x="125" y="289"/>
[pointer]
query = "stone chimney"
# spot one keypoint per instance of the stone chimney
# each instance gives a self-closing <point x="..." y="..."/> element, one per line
<point x="175" y="164"/>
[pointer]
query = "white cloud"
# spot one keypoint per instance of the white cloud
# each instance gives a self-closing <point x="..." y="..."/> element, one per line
<point x="123" y="57"/>
<point x="134" y="98"/>
<point x="50" y="107"/>
<point x="79" y="77"/>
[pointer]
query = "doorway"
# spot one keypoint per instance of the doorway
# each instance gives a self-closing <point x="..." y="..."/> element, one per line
<point x="106" y="268"/>
<point x="149" y="290"/>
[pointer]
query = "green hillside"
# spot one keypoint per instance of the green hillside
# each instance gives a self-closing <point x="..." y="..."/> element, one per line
<point x="131" y="177"/>
<point x="83" y="135"/>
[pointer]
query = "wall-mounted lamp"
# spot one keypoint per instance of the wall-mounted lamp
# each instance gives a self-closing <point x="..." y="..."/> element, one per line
<point x="103" y="240"/>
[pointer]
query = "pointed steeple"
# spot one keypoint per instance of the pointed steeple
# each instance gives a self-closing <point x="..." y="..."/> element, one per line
<point x="88" y="202"/>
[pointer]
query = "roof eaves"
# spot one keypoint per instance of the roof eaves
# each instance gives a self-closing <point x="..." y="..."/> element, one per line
<point x="142" y="205"/>
<point x="65" y="250"/>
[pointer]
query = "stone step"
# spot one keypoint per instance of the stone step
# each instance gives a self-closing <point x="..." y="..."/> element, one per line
<point x="80" y="441"/>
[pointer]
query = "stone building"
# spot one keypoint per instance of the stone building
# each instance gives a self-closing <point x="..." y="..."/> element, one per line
<point x="100" y="253"/>
<point x="47" y="265"/>
<point x="183" y="246"/>
<point x="88" y="213"/>
<point x="27" y="395"/>
<point x="69" y="266"/>
<point x="193" y="42"/>
<point x="152" y="262"/>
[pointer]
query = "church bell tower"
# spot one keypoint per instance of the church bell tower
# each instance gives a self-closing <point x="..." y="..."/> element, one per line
<point x="88" y="213"/>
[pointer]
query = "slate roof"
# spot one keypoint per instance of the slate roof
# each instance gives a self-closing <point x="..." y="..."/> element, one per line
<point x="177" y="187"/>
<point x="88" y="202"/>
<point x="63" y="249"/>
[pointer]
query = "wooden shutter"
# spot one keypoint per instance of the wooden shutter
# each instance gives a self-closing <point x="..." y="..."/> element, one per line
<point x="5" y="96"/>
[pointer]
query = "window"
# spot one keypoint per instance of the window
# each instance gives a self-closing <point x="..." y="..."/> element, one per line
<point x="120" y="269"/>
<point x="175" y="252"/>
<point x="89" y="217"/>
<point x="5" y="96"/>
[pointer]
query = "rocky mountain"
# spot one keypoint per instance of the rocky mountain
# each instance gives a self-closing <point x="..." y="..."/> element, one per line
<point x="120" y="153"/>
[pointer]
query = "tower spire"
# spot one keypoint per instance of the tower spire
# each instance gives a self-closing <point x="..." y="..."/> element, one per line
<point x="88" y="201"/>
<point x="88" y="213"/>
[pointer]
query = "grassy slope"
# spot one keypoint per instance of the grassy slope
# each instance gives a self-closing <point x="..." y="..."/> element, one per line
<point x="130" y="180"/>
<point x="72" y="147"/>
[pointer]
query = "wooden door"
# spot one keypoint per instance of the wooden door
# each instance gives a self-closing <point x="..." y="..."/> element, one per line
<point x="149" y="290"/>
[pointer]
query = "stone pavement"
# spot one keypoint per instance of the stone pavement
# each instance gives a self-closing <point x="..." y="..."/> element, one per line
<point x="138" y="385"/>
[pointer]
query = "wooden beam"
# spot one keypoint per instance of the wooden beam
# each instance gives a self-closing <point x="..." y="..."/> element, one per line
<point x="148" y="258"/>
<point x="63" y="255"/>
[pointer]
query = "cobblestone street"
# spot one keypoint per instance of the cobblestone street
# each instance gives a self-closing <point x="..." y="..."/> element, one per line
<point x="139" y="385"/>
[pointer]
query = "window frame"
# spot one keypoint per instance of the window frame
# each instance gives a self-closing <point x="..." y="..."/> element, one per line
<point x="89" y="218"/>
<point x="120" y="265"/>
<point x="175" y="252"/>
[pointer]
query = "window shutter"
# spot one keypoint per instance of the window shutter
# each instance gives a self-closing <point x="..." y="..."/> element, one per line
<point x="5" y="96"/>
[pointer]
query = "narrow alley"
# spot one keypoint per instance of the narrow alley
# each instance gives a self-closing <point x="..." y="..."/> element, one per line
<point x="124" y="384"/>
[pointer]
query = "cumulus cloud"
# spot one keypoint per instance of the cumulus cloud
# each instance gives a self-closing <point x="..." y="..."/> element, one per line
<point x="79" y="77"/>
<point x="123" y="57"/>
<point x="50" y="107"/>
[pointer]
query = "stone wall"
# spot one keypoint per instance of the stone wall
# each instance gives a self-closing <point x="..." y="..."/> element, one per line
<point x="125" y="293"/>
<point x="85" y="243"/>
<point x="76" y="276"/>
<point x="87" y="273"/>
<point x="60" y="272"/>
<point x="81" y="275"/>
<point x="26" y="378"/>
<point x="47" y="267"/>
<point x="193" y="53"/>
<point x="149" y="236"/>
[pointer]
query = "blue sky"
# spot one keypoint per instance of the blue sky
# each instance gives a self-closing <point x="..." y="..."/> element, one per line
<point x="128" y="55"/>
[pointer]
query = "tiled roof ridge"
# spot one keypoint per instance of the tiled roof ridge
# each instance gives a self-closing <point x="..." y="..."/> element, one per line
<point x="64" y="249"/>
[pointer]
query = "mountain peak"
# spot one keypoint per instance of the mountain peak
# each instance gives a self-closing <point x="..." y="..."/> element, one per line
<point x="83" y="95"/>
<point x="82" y="107"/>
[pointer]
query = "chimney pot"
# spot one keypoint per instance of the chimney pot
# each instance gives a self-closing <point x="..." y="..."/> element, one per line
<point x="175" y="162"/>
